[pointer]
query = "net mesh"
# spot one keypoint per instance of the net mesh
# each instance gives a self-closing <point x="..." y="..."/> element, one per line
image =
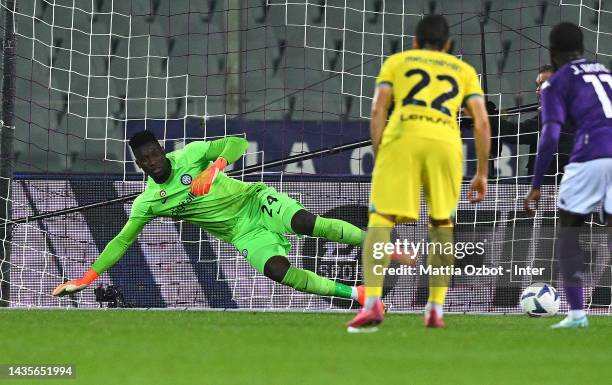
<point x="292" y="77"/>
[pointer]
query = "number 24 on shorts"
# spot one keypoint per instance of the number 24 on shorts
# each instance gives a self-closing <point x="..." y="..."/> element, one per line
<point x="267" y="208"/>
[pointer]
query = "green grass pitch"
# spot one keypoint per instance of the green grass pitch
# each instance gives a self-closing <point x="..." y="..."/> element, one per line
<point x="188" y="347"/>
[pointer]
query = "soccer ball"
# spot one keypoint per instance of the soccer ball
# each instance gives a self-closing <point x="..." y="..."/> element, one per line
<point x="540" y="300"/>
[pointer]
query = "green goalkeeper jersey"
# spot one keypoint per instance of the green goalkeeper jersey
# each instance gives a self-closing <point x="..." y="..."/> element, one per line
<point x="217" y="212"/>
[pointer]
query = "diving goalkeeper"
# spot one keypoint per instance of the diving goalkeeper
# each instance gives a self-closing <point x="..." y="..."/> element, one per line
<point x="189" y="184"/>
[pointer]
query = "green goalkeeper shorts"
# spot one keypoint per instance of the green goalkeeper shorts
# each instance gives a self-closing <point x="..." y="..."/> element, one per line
<point x="260" y="233"/>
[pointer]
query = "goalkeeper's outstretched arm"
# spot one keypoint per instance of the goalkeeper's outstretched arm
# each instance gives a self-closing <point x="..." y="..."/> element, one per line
<point x="113" y="251"/>
<point x="230" y="148"/>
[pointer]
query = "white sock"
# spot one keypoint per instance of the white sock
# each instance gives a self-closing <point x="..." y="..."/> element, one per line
<point x="437" y="307"/>
<point x="354" y="294"/>
<point x="370" y="301"/>
<point x="576" y="314"/>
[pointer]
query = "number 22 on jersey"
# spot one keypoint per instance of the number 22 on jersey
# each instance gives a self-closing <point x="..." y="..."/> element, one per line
<point x="425" y="79"/>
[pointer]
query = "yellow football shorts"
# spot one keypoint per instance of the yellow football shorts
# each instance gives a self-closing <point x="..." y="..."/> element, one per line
<point x="404" y="165"/>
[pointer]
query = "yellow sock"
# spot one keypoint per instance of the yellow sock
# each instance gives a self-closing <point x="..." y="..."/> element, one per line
<point x="437" y="295"/>
<point x="379" y="234"/>
<point x="440" y="256"/>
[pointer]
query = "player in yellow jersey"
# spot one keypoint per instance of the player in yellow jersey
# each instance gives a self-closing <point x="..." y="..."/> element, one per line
<point x="420" y="145"/>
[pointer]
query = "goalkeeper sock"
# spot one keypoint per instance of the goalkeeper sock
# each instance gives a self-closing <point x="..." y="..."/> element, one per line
<point x="309" y="282"/>
<point x="373" y="257"/>
<point x="442" y="255"/>
<point x="338" y="231"/>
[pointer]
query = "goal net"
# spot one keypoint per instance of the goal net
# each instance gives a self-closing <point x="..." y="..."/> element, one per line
<point x="292" y="77"/>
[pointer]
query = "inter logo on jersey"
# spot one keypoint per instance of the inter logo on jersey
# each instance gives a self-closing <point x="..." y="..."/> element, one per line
<point x="186" y="179"/>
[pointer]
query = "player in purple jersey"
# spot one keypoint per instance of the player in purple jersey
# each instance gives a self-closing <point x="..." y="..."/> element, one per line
<point x="580" y="92"/>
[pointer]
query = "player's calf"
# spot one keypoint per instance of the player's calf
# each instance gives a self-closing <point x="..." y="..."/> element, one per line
<point x="571" y="263"/>
<point x="306" y="223"/>
<point x="278" y="269"/>
<point x="440" y="232"/>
